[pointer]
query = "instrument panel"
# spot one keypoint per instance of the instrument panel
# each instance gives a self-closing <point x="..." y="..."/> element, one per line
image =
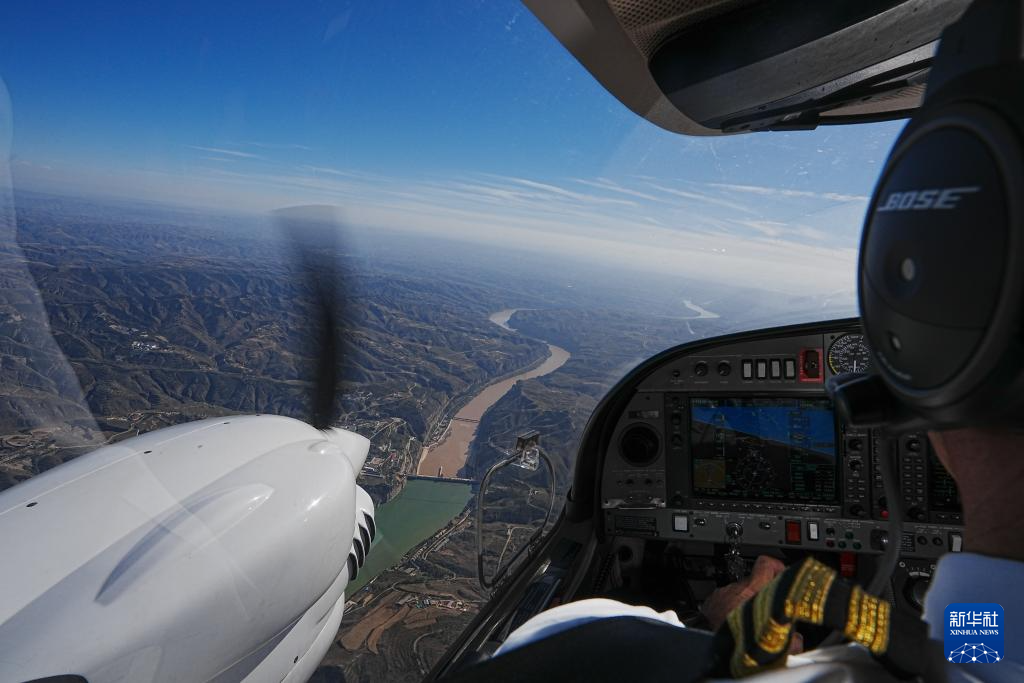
<point x="739" y="441"/>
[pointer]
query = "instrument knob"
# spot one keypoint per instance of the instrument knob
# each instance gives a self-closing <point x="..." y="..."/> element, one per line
<point x="915" y="589"/>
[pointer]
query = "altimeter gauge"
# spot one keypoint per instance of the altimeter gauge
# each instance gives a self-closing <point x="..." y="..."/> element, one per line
<point x="849" y="353"/>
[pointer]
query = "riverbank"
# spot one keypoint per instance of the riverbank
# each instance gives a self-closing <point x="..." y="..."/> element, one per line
<point x="424" y="506"/>
<point x="448" y="456"/>
<point x="407" y="520"/>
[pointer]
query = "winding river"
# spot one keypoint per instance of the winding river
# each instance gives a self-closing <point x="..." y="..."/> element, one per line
<point x="426" y="505"/>
<point x="446" y="457"/>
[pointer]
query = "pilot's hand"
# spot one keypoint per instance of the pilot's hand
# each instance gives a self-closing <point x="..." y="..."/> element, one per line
<point x="727" y="598"/>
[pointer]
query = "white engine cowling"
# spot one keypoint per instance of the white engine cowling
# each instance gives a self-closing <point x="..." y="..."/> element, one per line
<point x="216" y="550"/>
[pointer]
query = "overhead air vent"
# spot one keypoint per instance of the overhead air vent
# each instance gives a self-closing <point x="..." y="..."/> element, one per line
<point x="649" y="23"/>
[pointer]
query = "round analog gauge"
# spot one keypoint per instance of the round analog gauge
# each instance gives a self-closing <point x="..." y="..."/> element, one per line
<point x="849" y="353"/>
<point x="639" y="445"/>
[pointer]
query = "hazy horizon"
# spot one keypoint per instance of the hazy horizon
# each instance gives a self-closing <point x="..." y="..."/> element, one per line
<point x="483" y="129"/>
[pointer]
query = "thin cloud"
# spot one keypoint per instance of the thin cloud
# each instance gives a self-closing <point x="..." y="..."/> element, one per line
<point x="837" y="197"/>
<point x="563" y="192"/>
<point x="704" y="197"/>
<point x="275" y="145"/>
<point x="780" y="228"/>
<point x="346" y="173"/>
<point x="784" y="192"/>
<point x="30" y="164"/>
<point x="604" y="184"/>
<point x="709" y="238"/>
<point x="809" y="232"/>
<point x="228" y="152"/>
<point x="769" y="228"/>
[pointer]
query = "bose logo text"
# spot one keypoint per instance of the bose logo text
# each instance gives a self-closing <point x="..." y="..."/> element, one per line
<point x="923" y="200"/>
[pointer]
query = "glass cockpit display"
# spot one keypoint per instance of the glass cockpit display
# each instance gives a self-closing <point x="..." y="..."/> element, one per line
<point x="765" y="449"/>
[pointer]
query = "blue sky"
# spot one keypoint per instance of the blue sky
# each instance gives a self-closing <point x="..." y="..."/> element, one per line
<point x="464" y="117"/>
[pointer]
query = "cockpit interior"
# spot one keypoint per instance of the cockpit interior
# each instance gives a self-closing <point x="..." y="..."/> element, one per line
<point x="816" y="447"/>
<point x="714" y="453"/>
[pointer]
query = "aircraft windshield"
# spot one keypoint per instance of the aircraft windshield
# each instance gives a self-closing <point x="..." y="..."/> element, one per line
<point x="514" y="241"/>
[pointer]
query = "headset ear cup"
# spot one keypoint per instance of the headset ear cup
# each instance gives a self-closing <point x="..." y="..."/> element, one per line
<point x="941" y="278"/>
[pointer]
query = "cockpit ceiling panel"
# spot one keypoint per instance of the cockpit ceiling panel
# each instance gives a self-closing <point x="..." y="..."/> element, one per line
<point x="649" y="23"/>
<point x="681" y="63"/>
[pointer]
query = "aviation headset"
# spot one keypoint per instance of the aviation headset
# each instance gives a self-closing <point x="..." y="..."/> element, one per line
<point x="941" y="272"/>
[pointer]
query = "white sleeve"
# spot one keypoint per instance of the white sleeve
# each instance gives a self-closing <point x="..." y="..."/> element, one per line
<point x="967" y="577"/>
<point x="569" y="615"/>
<point x="959" y="577"/>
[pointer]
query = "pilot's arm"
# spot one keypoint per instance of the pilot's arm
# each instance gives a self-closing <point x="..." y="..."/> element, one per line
<point x="715" y="609"/>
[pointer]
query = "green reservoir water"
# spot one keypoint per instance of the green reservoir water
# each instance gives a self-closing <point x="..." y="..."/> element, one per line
<point x="413" y="516"/>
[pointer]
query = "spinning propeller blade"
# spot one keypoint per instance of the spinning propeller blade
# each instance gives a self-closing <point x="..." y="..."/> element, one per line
<point x="314" y="233"/>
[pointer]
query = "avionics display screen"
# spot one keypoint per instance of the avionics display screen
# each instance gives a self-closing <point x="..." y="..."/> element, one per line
<point x="767" y="449"/>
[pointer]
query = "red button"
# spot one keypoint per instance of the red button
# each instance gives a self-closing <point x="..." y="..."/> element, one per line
<point x="847" y="565"/>
<point x="793" y="531"/>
